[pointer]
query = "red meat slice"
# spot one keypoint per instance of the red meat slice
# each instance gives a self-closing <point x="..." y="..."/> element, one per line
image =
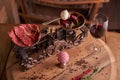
<point x="27" y="28"/>
<point x="20" y="32"/>
<point x="33" y="27"/>
<point x="37" y="34"/>
<point x="15" y="39"/>
<point x="32" y="31"/>
<point x="27" y="41"/>
<point x="27" y="32"/>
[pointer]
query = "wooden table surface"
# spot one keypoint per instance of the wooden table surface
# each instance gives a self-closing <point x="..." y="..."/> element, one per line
<point x="113" y="39"/>
<point x="5" y="41"/>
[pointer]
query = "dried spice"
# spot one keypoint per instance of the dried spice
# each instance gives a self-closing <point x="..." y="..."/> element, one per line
<point x="79" y="77"/>
<point x="86" y="75"/>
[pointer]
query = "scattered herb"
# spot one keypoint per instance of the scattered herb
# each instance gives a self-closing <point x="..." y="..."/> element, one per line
<point x="90" y="76"/>
<point x="72" y="25"/>
<point x="77" y="22"/>
<point x="87" y="78"/>
<point x="81" y="76"/>
<point x="86" y="72"/>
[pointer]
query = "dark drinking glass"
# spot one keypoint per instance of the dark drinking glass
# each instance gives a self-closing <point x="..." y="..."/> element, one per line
<point x="98" y="29"/>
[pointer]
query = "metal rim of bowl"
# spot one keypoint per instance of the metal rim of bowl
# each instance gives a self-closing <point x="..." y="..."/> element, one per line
<point x="79" y="14"/>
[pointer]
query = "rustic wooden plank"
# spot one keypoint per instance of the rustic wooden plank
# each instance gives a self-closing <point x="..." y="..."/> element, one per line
<point x="3" y="15"/>
<point x="112" y="60"/>
<point x="23" y="8"/>
<point x="118" y="12"/>
<point x="11" y="10"/>
<point x="82" y="6"/>
<point x="22" y="5"/>
<point x="113" y="41"/>
<point x="1" y="4"/>
<point x="46" y="2"/>
<point x="112" y="38"/>
<point x="72" y="2"/>
<point x="10" y="14"/>
<point x="31" y="17"/>
<point x="5" y="45"/>
<point x="94" y="10"/>
<point x="79" y="52"/>
<point x="4" y="75"/>
<point x="15" y="11"/>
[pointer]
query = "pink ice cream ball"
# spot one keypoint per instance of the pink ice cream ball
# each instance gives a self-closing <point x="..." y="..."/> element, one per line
<point x="63" y="57"/>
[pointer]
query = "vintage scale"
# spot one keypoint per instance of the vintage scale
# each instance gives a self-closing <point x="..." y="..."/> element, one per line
<point x="53" y="39"/>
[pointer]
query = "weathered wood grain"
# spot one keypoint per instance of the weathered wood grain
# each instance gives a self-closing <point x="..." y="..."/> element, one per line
<point x="113" y="41"/>
<point x="5" y="45"/>
<point x="72" y="2"/>
<point x="48" y="66"/>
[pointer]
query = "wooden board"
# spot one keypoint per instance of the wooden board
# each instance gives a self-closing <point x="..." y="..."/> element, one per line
<point x="5" y="46"/>
<point x="70" y="2"/>
<point x="49" y="69"/>
<point x="113" y="39"/>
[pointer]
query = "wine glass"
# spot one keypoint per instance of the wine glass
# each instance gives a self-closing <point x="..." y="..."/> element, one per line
<point x="98" y="28"/>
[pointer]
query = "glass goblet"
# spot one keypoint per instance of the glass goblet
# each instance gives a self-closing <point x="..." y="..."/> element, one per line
<point x="98" y="28"/>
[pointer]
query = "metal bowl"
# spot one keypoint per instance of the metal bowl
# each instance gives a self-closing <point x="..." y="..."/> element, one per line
<point x="82" y="18"/>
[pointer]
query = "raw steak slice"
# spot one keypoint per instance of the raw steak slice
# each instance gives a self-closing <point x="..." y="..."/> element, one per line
<point x="20" y="32"/>
<point x="15" y="39"/>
